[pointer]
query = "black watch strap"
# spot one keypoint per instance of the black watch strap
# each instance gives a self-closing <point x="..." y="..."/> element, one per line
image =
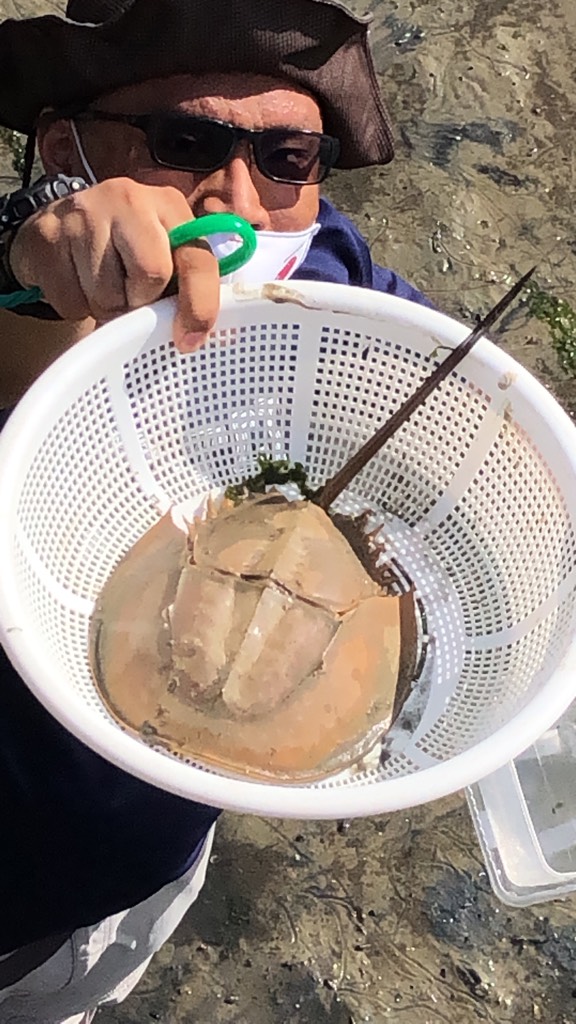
<point x="18" y="206"/>
<point x="15" y="209"/>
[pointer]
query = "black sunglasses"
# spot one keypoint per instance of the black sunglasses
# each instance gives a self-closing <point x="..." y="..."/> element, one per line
<point x="186" y="143"/>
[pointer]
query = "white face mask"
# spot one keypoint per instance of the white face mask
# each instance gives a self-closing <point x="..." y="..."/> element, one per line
<point x="278" y="253"/>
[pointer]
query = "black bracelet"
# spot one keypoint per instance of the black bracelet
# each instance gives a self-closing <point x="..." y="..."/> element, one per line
<point x="15" y="209"/>
<point x="18" y="206"/>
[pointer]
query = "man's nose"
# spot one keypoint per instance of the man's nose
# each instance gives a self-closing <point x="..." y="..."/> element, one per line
<point x="231" y="189"/>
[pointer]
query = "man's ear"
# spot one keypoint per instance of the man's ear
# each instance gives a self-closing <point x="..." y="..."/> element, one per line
<point x="56" y="146"/>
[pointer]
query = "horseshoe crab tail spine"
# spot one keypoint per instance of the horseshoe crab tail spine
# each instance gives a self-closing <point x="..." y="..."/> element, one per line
<point x="332" y="488"/>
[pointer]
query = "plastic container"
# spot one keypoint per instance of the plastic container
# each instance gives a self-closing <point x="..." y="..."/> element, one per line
<point x="476" y="495"/>
<point x="525" y="818"/>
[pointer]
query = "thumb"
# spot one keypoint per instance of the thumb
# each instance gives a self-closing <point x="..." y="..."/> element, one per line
<point x="198" y="294"/>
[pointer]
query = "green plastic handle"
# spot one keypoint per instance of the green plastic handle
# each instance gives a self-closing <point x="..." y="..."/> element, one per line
<point x="211" y="224"/>
<point x="215" y="224"/>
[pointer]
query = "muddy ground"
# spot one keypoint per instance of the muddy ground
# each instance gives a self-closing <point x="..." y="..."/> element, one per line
<point x="392" y="919"/>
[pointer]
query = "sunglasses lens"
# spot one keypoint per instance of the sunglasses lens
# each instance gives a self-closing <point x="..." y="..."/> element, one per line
<point x="198" y="144"/>
<point x="191" y="145"/>
<point x="294" y="157"/>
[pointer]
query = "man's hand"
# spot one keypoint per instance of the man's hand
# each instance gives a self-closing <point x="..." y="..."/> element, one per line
<point x="103" y="251"/>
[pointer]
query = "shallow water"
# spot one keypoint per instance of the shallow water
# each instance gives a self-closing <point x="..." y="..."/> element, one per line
<point x="392" y="919"/>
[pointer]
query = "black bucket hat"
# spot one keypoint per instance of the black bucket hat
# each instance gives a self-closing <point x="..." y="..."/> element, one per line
<point x="103" y="45"/>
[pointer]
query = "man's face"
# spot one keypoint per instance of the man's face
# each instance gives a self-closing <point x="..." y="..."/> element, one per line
<point x="247" y="101"/>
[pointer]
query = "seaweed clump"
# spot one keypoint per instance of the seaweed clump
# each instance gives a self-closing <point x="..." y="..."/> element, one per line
<point x="560" y="320"/>
<point x="16" y="146"/>
<point x="271" y="472"/>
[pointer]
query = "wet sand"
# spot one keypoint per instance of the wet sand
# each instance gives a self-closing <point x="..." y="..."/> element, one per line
<point x="392" y="918"/>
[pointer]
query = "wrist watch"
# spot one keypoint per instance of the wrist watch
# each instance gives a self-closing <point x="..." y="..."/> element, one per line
<point x="16" y="208"/>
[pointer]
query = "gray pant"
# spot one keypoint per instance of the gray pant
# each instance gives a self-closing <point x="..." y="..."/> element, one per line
<point x="65" y="979"/>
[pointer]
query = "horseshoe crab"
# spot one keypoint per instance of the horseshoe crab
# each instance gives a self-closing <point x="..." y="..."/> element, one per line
<point x="264" y="646"/>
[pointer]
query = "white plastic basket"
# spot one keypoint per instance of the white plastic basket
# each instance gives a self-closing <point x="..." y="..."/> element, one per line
<point x="477" y="493"/>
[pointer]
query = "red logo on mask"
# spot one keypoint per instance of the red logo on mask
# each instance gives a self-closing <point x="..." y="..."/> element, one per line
<point x="287" y="268"/>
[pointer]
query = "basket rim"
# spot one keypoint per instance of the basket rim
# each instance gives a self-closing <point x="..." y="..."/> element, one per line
<point x="48" y="398"/>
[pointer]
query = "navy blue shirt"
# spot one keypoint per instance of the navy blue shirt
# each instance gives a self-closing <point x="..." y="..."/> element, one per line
<point x="80" y="838"/>
<point x="340" y="254"/>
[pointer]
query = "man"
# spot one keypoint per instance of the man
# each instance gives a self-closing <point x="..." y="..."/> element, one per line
<point x="171" y="109"/>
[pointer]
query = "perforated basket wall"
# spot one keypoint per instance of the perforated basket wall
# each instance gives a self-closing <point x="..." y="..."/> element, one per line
<point x="477" y="495"/>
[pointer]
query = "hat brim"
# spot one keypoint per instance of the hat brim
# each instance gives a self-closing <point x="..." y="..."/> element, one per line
<point x="316" y="44"/>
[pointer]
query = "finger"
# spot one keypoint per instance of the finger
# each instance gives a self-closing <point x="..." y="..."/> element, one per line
<point x="143" y="248"/>
<point x="62" y="251"/>
<point x="32" y="261"/>
<point x="60" y="285"/>
<point x="100" y="272"/>
<point x="198" y="294"/>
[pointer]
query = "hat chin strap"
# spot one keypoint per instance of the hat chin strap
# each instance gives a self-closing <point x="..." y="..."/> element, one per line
<point x="83" y="158"/>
